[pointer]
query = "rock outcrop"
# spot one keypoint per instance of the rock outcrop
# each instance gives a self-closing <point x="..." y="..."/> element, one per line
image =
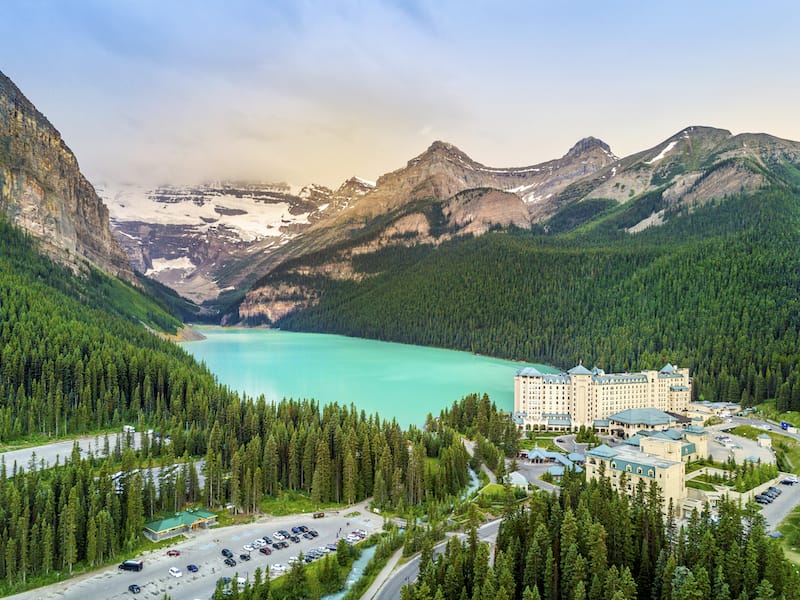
<point x="43" y="191"/>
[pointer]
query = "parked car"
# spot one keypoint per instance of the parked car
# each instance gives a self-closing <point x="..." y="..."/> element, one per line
<point x="258" y="543"/>
<point x="761" y="500"/>
<point x="265" y="550"/>
<point x="295" y="539"/>
<point x="173" y="552"/>
<point x="787" y="482"/>
<point x="267" y="539"/>
<point x="175" y="572"/>
<point x="296" y="529"/>
<point x="230" y="562"/>
<point x="303" y="528"/>
<point x="277" y="545"/>
<point x="313" y="532"/>
<point x="227" y="553"/>
<point x="192" y="568"/>
<point x="308" y="535"/>
<point x="134" y="589"/>
<point x="248" y="548"/>
<point x="244" y="557"/>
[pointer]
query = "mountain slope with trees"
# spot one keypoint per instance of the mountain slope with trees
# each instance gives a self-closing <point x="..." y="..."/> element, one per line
<point x="715" y="289"/>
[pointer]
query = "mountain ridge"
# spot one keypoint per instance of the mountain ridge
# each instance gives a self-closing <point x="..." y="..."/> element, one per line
<point x="43" y="190"/>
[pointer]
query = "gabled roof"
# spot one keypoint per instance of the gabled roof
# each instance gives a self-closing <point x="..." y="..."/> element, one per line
<point x="694" y="429"/>
<point x="602" y="451"/>
<point x="576" y="457"/>
<point x="634" y="440"/>
<point x="600" y="423"/>
<point x="579" y="370"/>
<point x="556" y="471"/>
<point x="530" y="372"/>
<point x="764" y="436"/>
<point x="642" y="416"/>
<point x="668" y="368"/>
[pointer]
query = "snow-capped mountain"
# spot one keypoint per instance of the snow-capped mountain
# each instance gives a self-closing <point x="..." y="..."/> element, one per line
<point x="184" y="236"/>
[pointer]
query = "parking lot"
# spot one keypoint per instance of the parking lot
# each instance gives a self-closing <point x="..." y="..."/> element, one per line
<point x="204" y="550"/>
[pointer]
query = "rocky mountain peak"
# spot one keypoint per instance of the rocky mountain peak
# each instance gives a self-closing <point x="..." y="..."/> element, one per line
<point x="440" y="150"/>
<point x="588" y="144"/>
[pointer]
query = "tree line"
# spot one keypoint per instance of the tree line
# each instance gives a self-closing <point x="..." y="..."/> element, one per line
<point x="592" y="543"/>
<point x="714" y="289"/>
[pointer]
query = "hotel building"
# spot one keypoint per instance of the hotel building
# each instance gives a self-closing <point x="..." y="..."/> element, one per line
<point x="565" y="401"/>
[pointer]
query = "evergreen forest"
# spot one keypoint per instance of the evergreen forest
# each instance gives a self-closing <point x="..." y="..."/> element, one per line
<point x="714" y="289"/>
<point x="591" y="543"/>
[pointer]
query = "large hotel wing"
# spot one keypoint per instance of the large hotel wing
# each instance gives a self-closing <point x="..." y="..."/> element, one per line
<point x="565" y="401"/>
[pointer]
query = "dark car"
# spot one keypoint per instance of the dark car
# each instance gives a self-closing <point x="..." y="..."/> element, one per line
<point x="267" y="539"/>
<point x="266" y="551"/>
<point x="296" y="530"/>
<point x="244" y="557"/>
<point x="173" y="552"/>
<point x="331" y="547"/>
<point x="192" y="568"/>
<point x="230" y="562"/>
<point x="308" y="535"/>
<point x="313" y="532"/>
<point x="284" y="544"/>
<point x="295" y="539"/>
<point x="303" y="528"/>
<point x="277" y="545"/>
<point x="225" y="580"/>
<point x="134" y="589"/>
<point x="227" y="553"/>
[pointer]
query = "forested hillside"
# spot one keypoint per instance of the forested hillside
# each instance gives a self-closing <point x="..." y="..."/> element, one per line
<point x="591" y="543"/>
<point x="75" y="359"/>
<point x="715" y="289"/>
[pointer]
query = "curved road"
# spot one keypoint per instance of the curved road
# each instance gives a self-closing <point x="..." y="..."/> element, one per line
<point x="390" y="590"/>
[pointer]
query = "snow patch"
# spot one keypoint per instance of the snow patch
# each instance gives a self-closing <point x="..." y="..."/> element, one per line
<point x="167" y="264"/>
<point x="249" y="217"/>
<point x="366" y="182"/>
<point x="662" y="154"/>
<point x="520" y="189"/>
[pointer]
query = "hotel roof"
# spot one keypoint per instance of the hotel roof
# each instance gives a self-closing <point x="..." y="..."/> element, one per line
<point x="642" y="416"/>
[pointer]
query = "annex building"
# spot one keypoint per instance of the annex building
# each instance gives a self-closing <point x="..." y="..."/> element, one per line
<point x="180" y="522"/>
<point x="565" y="401"/>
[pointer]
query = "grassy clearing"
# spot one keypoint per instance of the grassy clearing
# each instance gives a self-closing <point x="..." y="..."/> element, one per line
<point x="543" y="442"/>
<point x="292" y="502"/>
<point x="700" y="485"/>
<point x="790" y="528"/>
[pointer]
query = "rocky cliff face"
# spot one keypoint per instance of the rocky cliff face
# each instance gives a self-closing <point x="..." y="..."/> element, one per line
<point x="43" y="191"/>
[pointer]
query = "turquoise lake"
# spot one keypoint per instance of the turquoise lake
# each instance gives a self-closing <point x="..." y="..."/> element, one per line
<point x="395" y="380"/>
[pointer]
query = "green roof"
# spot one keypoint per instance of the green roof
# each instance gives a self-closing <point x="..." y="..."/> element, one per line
<point x="179" y="520"/>
<point x="602" y="451"/>
<point x="642" y="416"/>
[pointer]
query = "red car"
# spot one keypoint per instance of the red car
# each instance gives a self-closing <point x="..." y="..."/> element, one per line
<point x="173" y="552"/>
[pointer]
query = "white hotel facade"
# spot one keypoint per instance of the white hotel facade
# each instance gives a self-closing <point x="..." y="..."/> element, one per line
<point x="565" y="401"/>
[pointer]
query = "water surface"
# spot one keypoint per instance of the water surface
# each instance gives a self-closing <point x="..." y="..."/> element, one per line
<point x="396" y="380"/>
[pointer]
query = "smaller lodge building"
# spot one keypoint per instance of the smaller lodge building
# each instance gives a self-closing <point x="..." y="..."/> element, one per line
<point x="181" y="522"/>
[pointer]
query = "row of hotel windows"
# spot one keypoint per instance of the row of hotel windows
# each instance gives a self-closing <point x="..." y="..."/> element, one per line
<point x="628" y="469"/>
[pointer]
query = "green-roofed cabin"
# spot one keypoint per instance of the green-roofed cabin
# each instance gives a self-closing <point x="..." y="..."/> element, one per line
<point x="182" y="522"/>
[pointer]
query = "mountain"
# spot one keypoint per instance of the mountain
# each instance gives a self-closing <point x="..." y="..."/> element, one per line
<point x="683" y="252"/>
<point x="443" y="194"/>
<point x="43" y="191"/>
<point x="187" y="237"/>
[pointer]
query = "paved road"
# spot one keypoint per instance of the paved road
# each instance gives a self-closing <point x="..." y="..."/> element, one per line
<point x="61" y="450"/>
<point x="203" y="549"/>
<point x="409" y="571"/>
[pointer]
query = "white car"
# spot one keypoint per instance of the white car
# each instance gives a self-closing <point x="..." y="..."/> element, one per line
<point x="175" y="572"/>
<point x="278" y="536"/>
<point x="247" y="548"/>
<point x="259" y="543"/>
<point x="278" y="568"/>
<point x="293" y="560"/>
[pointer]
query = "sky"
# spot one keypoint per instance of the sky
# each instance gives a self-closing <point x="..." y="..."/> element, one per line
<point x="183" y="91"/>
